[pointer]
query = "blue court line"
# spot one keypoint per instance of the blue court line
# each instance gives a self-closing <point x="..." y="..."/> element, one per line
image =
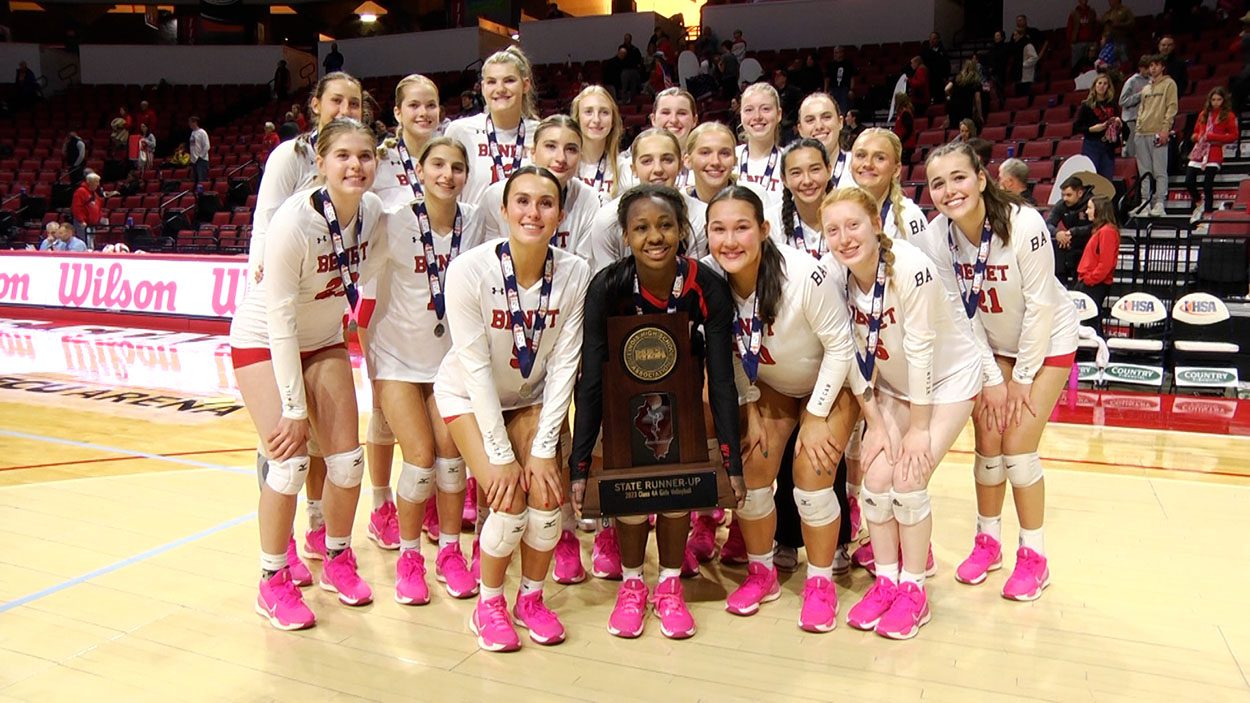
<point x="131" y="452"/>
<point x="142" y="556"/>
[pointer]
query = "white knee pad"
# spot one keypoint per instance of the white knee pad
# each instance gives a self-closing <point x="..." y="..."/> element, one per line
<point x="631" y="519"/>
<point x="416" y="483"/>
<point x="676" y="515"/>
<point x="1023" y="470"/>
<point x="758" y="505"/>
<point x="345" y="470"/>
<point x="379" y="431"/>
<point x="542" y="530"/>
<point x="988" y="470"/>
<point x="817" y="508"/>
<point x="912" y="507"/>
<point x="287" y="477"/>
<point x="449" y="474"/>
<point x="876" y="507"/>
<point x="502" y="532"/>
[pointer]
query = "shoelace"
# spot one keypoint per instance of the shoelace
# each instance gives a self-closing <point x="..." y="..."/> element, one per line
<point x="882" y="594"/>
<point x="536" y="606"/>
<point x="411" y="565"/>
<point x="983" y="547"/>
<point x="666" y="603"/>
<point x="497" y="613"/>
<point x="633" y="601"/>
<point x="813" y="589"/>
<point x="288" y="594"/>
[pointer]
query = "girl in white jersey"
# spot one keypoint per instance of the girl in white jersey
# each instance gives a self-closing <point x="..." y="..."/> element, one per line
<point x="424" y="238"/>
<point x="499" y="139"/>
<point x="759" y="157"/>
<point x="602" y="163"/>
<point x="289" y="357"/>
<point x="877" y="166"/>
<point x="676" y="111"/>
<point x="918" y="373"/>
<point x="795" y="222"/>
<point x="1006" y="283"/>
<point x="515" y="313"/>
<point x="820" y="118"/>
<point x="795" y="351"/>
<point x="557" y="148"/>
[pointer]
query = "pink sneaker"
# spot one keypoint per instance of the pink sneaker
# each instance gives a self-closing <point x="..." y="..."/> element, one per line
<point x="702" y="540"/>
<point x="820" y="605"/>
<point x="760" y="586"/>
<point x="606" y="557"/>
<point x="534" y="615"/>
<point x="315" y="543"/>
<point x="864" y="558"/>
<point x="689" y="564"/>
<point x="410" y="587"/>
<point x="280" y="602"/>
<point x="430" y="523"/>
<point x="908" y="613"/>
<point x="451" y="570"/>
<point x="857" y="521"/>
<point x="339" y="576"/>
<point x="1030" y="576"/>
<point x="493" y="627"/>
<point x="865" y="614"/>
<point x="987" y="556"/>
<point x="734" y="551"/>
<point x="669" y="601"/>
<point x="630" y="612"/>
<point x="475" y="564"/>
<point x="384" y="526"/>
<point x="300" y="575"/>
<point x="468" y="518"/>
<point x="568" y="569"/>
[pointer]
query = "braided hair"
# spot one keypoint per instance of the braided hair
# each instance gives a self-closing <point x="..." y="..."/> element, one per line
<point x="788" y="209"/>
<point x="865" y="201"/>
<point x="895" y="192"/>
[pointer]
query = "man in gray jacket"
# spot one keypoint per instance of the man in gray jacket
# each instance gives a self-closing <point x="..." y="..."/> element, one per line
<point x="1130" y="101"/>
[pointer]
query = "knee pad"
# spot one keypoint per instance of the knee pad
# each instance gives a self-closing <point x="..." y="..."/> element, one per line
<point x="759" y="504"/>
<point x="379" y="431"/>
<point x="449" y="475"/>
<point x="502" y="532"/>
<point x="876" y="507"/>
<point x="542" y="529"/>
<point x="262" y="467"/>
<point x="287" y="477"/>
<point x="912" y="507"/>
<point x="817" y="508"/>
<point x="1023" y="470"/>
<point x="631" y="519"/>
<point x="345" y="470"/>
<point x="988" y="470"/>
<point x="677" y="515"/>
<point x="416" y="483"/>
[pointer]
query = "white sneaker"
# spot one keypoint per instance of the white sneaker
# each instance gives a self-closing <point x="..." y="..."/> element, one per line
<point x="1202" y="228"/>
<point x="1158" y="211"/>
<point x="1195" y="215"/>
<point x="1141" y="210"/>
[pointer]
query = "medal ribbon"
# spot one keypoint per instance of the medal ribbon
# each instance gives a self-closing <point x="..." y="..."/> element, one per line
<point x="768" y="170"/>
<point x="526" y="346"/>
<point x="496" y="152"/>
<point x="750" y="350"/>
<point x="971" y="299"/>
<point x="432" y="269"/>
<point x="346" y="272"/>
<point x="798" y="239"/>
<point x="866" y="365"/>
<point x="406" y="159"/>
<point x="679" y="284"/>
<point x="838" y="166"/>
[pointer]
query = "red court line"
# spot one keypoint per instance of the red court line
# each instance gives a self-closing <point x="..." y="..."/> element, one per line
<point x="123" y="458"/>
<point x="1094" y="462"/>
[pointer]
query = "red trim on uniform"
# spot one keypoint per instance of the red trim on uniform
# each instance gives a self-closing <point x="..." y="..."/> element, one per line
<point x="692" y="284"/>
<point x="1063" y="361"/>
<point x="451" y="418"/>
<point x="246" y="356"/>
<point x="365" y="313"/>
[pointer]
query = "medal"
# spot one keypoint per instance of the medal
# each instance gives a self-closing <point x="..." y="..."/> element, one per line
<point x="525" y="391"/>
<point x="439" y="330"/>
<point x="432" y="269"/>
<point x="406" y="159"/>
<point x="971" y="299"/>
<point x="750" y="350"/>
<point x="346" y="273"/>
<point x="526" y="347"/>
<point x="679" y="284"/>
<point x="866" y="365"/>
<point x="496" y="152"/>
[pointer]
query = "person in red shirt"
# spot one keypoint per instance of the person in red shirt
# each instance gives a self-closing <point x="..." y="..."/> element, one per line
<point x="1216" y="126"/>
<point x="147" y="116"/>
<point x="1082" y="29"/>
<point x="86" y="207"/>
<point x="269" y="142"/>
<point x="1096" y="271"/>
<point x="918" y="83"/>
<point x="905" y="125"/>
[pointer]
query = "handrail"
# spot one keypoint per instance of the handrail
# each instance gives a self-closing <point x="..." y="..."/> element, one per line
<point x="309" y="73"/>
<point x="174" y="198"/>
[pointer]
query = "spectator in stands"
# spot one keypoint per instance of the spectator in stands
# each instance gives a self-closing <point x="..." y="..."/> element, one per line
<point x="919" y="82"/>
<point x="1173" y="65"/>
<point x="1098" y="120"/>
<point x="59" y="236"/>
<point x="851" y="129"/>
<point x="147" y="148"/>
<point x="28" y="90"/>
<point x="613" y="70"/>
<point x="1130" y="102"/>
<point x="984" y="149"/>
<point x="1154" y="131"/>
<point x="198" y="147"/>
<point x="1240" y="84"/>
<point x="1028" y="58"/>
<point x="738" y="46"/>
<point x="1023" y="36"/>
<point x="1215" y="127"/>
<point x="840" y="79"/>
<point x="790" y="98"/>
<point x="1069" y="225"/>
<point x="1082" y="30"/>
<point x="119" y="139"/>
<point x="74" y="157"/>
<point x="905" y="124"/>
<point x="728" y="64"/>
<point x="631" y="70"/>
<point x="147" y="116"/>
<point x="269" y="142"/>
<point x="469" y="104"/>
<point x="86" y="207"/>
<point x="282" y="81"/>
<point x="124" y="115"/>
<point x="1013" y="176"/>
<point x="333" y="62"/>
<point x="289" y="128"/>
<point x="180" y="157"/>
<point x="806" y="74"/>
<point x="297" y="111"/>
<point x="1088" y="62"/>
<point x="937" y="65"/>
<point x="967" y="130"/>
<point x="997" y="61"/>
<point x="1096" y="271"/>
<point x="963" y="95"/>
<point x="1119" y="20"/>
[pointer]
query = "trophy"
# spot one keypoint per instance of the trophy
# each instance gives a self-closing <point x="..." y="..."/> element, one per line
<point x="655" y="454"/>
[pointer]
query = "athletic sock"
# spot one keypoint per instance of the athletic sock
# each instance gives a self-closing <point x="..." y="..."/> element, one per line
<point x="825" y="572"/>
<point x="1033" y="539"/>
<point x="992" y="526"/>
<point x="410" y="544"/>
<point x="666" y="574"/>
<point x="889" y="571"/>
<point x="271" y="564"/>
<point x="337" y="545"/>
<point x="529" y="585"/>
<point x="852" y="489"/>
<point x="906" y="576"/>
<point x="381" y="496"/>
<point x="485" y="592"/>
<point x="445" y="539"/>
<point x="765" y="559"/>
<point x="315" y="516"/>
<point x="628" y="573"/>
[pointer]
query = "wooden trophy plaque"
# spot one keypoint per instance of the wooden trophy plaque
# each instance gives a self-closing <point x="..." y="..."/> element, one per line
<point x="655" y="455"/>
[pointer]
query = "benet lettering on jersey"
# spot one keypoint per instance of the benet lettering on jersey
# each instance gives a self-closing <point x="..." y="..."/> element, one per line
<point x="502" y="319"/>
<point x="993" y="272"/>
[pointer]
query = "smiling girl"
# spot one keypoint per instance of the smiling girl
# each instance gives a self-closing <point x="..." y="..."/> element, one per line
<point x="876" y="166"/>
<point x="820" y="118"/>
<point x="602" y="163"/>
<point x="760" y="154"/>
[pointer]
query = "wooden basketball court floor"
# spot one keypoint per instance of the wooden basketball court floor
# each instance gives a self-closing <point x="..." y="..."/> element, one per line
<point x="128" y="566"/>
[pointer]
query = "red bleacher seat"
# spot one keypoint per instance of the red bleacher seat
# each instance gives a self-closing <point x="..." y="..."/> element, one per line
<point x="1057" y="130"/>
<point x="1041" y="194"/>
<point x="1041" y="170"/>
<point x="1040" y="149"/>
<point x="994" y="133"/>
<point x="1025" y="131"/>
<point x="221" y="218"/>
<point x="1068" y="147"/>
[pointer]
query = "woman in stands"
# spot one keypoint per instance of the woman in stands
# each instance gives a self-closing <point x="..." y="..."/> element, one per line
<point x="917" y="378"/>
<point x="760" y="154"/>
<point x="602" y="163"/>
<point x="499" y="139"/>
<point x="1216" y="126"/>
<point x="1098" y="120"/>
<point x="426" y="235"/>
<point x="1003" y="254"/>
<point x="656" y="278"/>
<point x="820" y="118"/>
<point x="795" y="350"/>
<point x="1096" y="271"/>
<point x="292" y="365"/>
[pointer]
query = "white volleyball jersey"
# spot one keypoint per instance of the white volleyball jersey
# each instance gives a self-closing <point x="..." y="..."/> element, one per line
<point x="392" y="183"/>
<point x="299" y="305"/>
<point x="606" y="243"/>
<point x="757" y="172"/>
<point x="481" y="375"/>
<point x="914" y="221"/>
<point x="840" y="168"/>
<point x="588" y="172"/>
<point x="291" y="167"/>
<point x="403" y="344"/>
<point x="471" y="132"/>
<point x="924" y="355"/>
<point x="581" y="205"/>
<point x="1025" y="312"/>
<point x="807" y="350"/>
<point x="812" y="240"/>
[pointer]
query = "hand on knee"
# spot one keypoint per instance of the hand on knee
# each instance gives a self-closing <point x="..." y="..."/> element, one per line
<point x="817" y="508"/>
<point x="1023" y="470"/>
<point x="542" y="529"/>
<point x="287" y="477"/>
<point x="502" y="532"/>
<point x="345" y="470"/>
<point x="910" y="507"/>
<point x="758" y="505"/>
